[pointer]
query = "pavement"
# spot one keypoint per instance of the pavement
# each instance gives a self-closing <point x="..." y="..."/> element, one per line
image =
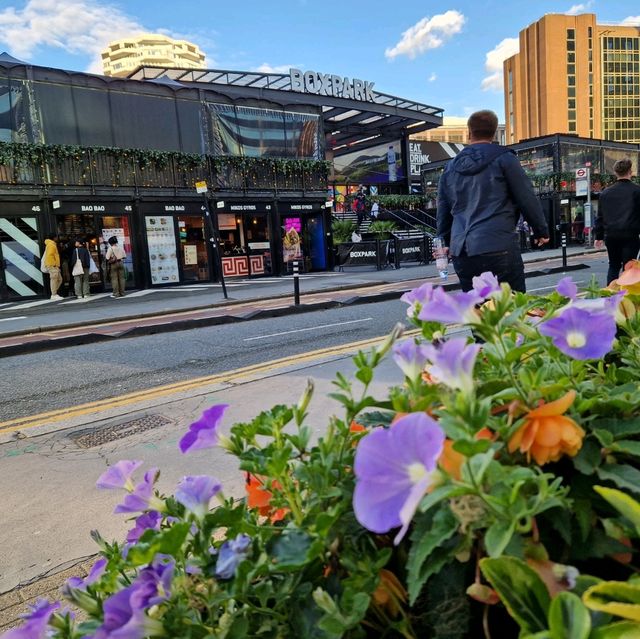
<point x="44" y="324"/>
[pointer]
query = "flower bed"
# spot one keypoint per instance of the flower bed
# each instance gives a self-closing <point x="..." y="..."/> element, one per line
<point x="487" y="495"/>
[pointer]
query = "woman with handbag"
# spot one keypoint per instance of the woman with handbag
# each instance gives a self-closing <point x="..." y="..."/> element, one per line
<point x="80" y="269"/>
<point x="115" y="259"/>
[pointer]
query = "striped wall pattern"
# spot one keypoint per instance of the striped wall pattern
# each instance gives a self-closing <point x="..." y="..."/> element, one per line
<point x="20" y="254"/>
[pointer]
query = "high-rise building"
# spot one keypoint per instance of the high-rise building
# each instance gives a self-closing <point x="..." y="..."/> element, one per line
<point x="123" y="56"/>
<point x="454" y="129"/>
<point x="573" y="75"/>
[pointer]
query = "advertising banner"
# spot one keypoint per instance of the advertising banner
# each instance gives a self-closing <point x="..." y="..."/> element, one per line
<point x="376" y="165"/>
<point x="363" y="253"/>
<point x="410" y="250"/>
<point x="161" y="240"/>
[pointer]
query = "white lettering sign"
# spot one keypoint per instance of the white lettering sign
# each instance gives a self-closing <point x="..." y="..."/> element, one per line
<point x="91" y="207"/>
<point x="173" y="207"/>
<point x="417" y="158"/>
<point x="362" y="254"/>
<point x="331" y="85"/>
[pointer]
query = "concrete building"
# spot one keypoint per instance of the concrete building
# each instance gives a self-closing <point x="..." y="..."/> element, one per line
<point x="121" y="57"/>
<point x="454" y="130"/>
<point x="574" y="76"/>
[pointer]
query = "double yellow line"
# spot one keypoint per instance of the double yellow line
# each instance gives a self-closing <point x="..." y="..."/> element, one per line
<point x="58" y="415"/>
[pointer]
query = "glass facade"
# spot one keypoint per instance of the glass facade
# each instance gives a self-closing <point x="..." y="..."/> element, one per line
<point x="538" y="160"/>
<point x="576" y="156"/>
<point x="621" y="88"/>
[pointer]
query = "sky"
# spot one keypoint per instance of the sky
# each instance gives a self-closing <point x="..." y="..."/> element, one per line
<point x="447" y="54"/>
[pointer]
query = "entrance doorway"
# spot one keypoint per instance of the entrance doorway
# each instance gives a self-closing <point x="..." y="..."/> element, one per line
<point x="245" y="242"/>
<point x="20" y="252"/>
<point x="303" y="241"/>
<point x="194" y="253"/>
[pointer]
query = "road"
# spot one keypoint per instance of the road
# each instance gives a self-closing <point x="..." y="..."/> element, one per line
<point x="49" y="463"/>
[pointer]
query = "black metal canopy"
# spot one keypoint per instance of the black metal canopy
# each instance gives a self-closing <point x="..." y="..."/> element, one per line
<point x="349" y="123"/>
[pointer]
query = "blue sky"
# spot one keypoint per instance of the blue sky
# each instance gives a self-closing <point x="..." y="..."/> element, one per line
<point x="446" y="54"/>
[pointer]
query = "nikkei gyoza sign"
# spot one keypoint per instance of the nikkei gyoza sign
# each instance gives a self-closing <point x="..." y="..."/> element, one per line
<point x="333" y="86"/>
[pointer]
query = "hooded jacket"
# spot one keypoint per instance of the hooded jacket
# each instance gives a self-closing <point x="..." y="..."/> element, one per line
<point x="481" y="195"/>
<point x="51" y="256"/>
<point x="619" y="212"/>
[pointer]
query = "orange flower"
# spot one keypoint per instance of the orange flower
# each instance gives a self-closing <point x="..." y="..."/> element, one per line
<point x="390" y="593"/>
<point x="451" y="460"/>
<point x="354" y="427"/>
<point x="259" y="497"/>
<point x="547" y="434"/>
<point x="630" y="278"/>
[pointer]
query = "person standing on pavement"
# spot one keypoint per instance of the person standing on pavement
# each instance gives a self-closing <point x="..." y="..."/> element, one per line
<point x="80" y="258"/>
<point x="51" y="261"/>
<point x="115" y="259"/>
<point x="481" y="195"/>
<point x="618" y="223"/>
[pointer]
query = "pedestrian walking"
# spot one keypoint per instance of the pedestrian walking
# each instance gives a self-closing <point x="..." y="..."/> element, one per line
<point x="51" y="265"/>
<point x="360" y="206"/>
<point x="481" y="195"/>
<point x="115" y="259"/>
<point x="80" y="269"/>
<point x="618" y="223"/>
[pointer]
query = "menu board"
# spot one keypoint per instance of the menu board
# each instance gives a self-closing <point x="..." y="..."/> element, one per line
<point x="161" y="240"/>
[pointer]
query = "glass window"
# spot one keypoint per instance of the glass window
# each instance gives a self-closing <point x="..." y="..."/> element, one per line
<point x="14" y="112"/>
<point x="574" y="156"/>
<point x="194" y="256"/>
<point x="226" y="140"/>
<point x="571" y="92"/>
<point x="538" y="160"/>
<point x="303" y="135"/>
<point x="571" y="68"/>
<point x="261" y="132"/>
<point x="571" y="45"/>
<point x="571" y="34"/>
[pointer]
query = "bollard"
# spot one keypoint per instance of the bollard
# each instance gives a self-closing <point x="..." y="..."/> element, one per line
<point x="296" y="284"/>
<point x="563" y="244"/>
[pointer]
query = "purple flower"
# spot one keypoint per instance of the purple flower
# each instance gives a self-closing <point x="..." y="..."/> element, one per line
<point x="608" y="305"/>
<point x="146" y="521"/>
<point x="393" y="468"/>
<point x="451" y="308"/>
<point x="36" y="622"/>
<point x="417" y="298"/>
<point x="203" y="433"/>
<point x="452" y="363"/>
<point x="232" y="552"/>
<point x="486" y="285"/>
<point x="567" y="288"/>
<point x="195" y="492"/>
<point x="142" y="497"/>
<point x="119" y="475"/>
<point x="156" y="580"/>
<point x="97" y="570"/>
<point x="410" y="357"/>
<point x="581" y="334"/>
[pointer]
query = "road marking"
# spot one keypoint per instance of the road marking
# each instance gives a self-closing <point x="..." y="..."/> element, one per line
<point x="9" y="319"/>
<point x="58" y="415"/>
<point x="545" y="288"/>
<point x="311" y="328"/>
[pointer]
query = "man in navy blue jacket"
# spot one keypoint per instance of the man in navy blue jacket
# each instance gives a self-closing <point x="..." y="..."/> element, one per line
<point x="481" y="195"/>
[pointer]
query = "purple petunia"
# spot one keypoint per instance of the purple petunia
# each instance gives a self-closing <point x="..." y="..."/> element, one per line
<point x="119" y="475"/>
<point x="204" y="432"/>
<point x="195" y="492"/>
<point x="147" y="521"/>
<point x="417" y="298"/>
<point x="232" y="552"/>
<point x="486" y="285"/>
<point x="581" y="334"/>
<point x="452" y="363"/>
<point x="36" y="622"/>
<point x="142" y="497"/>
<point x="97" y="570"/>
<point x="410" y="357"/>
<point x="451" y="308"/>
<point x="567" y="288"/>
<point x="393" y="468"/>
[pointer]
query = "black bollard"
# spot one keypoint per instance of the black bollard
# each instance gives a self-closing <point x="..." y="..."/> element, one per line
<point x="296" y="284"/>
<point x="563" y="244"/>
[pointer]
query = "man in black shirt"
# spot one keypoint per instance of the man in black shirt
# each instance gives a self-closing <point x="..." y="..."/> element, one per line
<point x="618" y="222"/>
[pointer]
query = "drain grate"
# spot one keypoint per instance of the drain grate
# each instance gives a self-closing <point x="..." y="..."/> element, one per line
<point x="108" y="434"/>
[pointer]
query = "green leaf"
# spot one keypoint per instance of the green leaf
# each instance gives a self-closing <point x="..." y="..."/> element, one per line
<point x="498" y="536"/>
<point x="289" y="550"/>
<point x="568" y="617"/>
<point x="589" y="457"/>
<point x="153" y="542"/>
<point x="471" y="447"/>
<point x="520" y="589"/>
<point x="473" y="469"/>
<point x="619" y="630"/>
<point x="619" y="428"/>
<point x="625" y="505"/>
<point x="604" y="436"/>
<point x="617" y="598"/>
<point x="430" y="531"/>
<point x="628" y="446"/>
<point x="623" y="475"/>
<point x="437" y="495"/>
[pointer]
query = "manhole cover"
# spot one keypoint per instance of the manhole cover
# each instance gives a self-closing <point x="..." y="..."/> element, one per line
<point x="107" y="434"/>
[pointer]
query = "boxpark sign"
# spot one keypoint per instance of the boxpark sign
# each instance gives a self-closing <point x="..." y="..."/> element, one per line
<point x="333" y="86"/>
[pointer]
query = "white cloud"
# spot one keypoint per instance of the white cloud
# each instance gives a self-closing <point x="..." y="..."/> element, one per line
<point x="493" y="63"/>
<point x="632" y="21"/>
<point x="428" y="33"/>
<point x="279" y="68"/>
<point x="580" y="8"/>
<point x="433" y="77"/>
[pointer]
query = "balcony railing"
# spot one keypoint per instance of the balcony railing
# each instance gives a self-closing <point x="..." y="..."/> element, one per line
<point x="57" y="166"/>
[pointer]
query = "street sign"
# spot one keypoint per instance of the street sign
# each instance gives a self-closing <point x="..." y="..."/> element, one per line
<point x="582" y="188"/>
<point x="201" y="187"/>
<point x="581" y="173"/>
<point x="587" y="215"/>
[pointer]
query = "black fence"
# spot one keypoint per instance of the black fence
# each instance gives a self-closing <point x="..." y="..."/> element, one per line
<point x="385" y="253"/>
<point x="100" y="168"/>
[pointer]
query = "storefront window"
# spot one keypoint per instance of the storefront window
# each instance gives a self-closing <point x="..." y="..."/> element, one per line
<point x="575" y="156"/>
<point x="611" y="156"/>
<point x="118" y="226"/>
<point x="245" y="242"/>
<point x="303" y="239"/>
<point x="538" y="160"/>
<point x="161" y="243"/>
<point x="194" y="256"/>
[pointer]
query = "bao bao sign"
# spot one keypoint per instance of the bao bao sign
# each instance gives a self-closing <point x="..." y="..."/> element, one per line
<point x="333" y="86"/>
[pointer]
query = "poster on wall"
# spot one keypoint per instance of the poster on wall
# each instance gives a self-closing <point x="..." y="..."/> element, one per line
<point x="376" y="165"/>
<point x="161" y="241"/>
<point x="190" y="255"/>
<point x="292" y="241"/>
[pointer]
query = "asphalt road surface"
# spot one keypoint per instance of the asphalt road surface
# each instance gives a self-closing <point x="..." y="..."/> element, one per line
<point x="44" y="381"/>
